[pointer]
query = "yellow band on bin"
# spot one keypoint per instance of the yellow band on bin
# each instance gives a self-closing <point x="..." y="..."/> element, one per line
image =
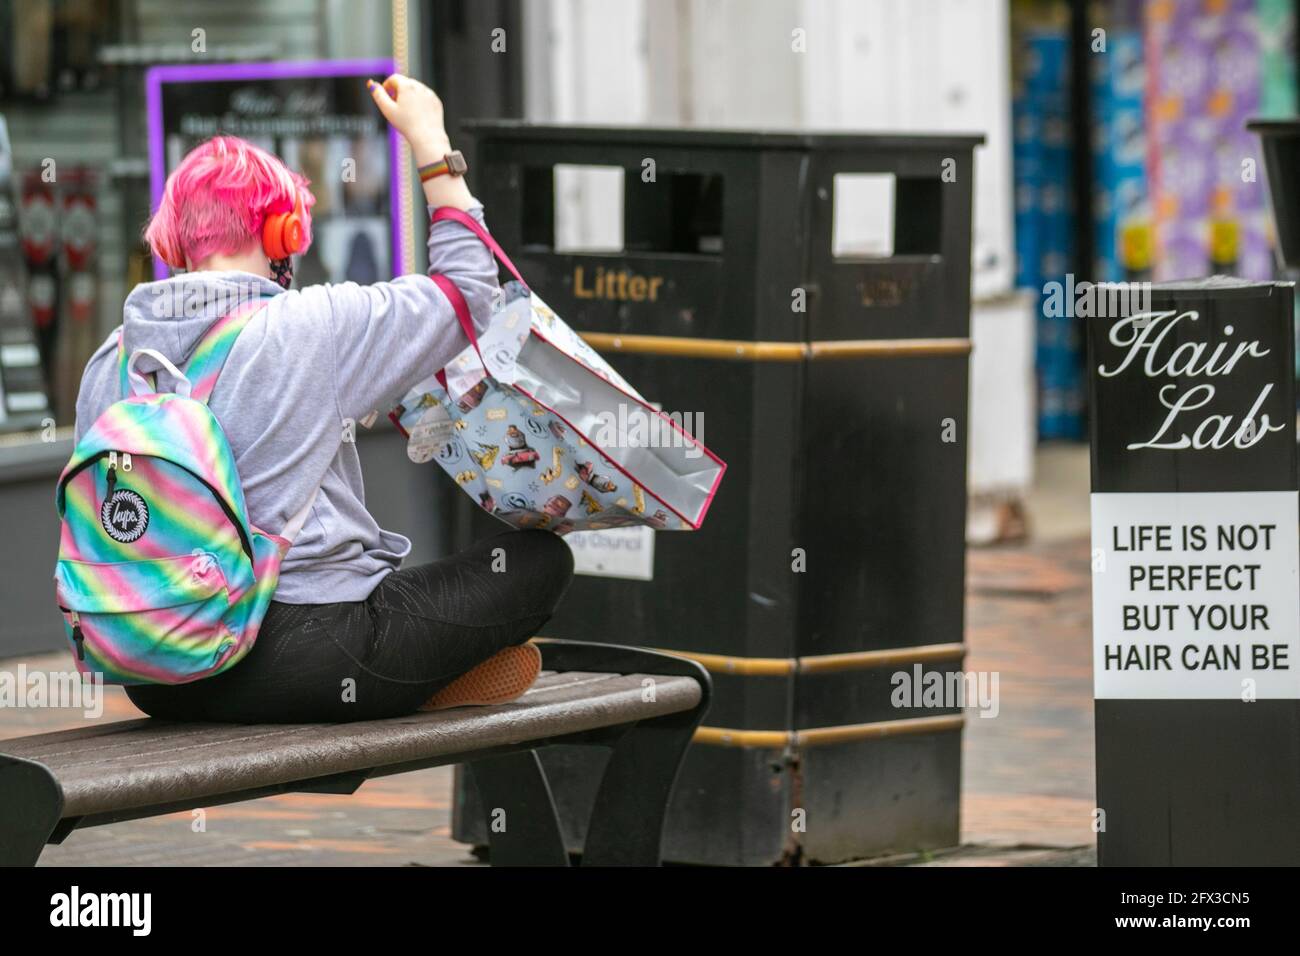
<point x="824" y="736"/>
<point x="821" y="663"/>
<point x="742" y="350"/>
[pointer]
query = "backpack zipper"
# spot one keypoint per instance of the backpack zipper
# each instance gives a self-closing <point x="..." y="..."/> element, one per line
<point x="78" y="638"/>
<point x="112" y="477"/>
<point x="126" y="466"/>
<point x="113" y="464"/>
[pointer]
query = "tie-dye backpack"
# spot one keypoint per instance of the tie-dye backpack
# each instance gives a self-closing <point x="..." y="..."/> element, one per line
<point x="161" y="578"/>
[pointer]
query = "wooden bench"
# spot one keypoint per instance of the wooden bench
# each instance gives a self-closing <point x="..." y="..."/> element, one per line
<point x="643" y="705"/>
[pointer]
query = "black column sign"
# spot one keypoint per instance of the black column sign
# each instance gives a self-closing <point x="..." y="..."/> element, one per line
<point x="1196" y="593"/>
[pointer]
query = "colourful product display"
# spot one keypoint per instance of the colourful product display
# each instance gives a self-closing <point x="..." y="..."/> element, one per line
<point x="1205" y="81"/>
<point x="1122" y="204"/>
<point x="1045" y="218"/>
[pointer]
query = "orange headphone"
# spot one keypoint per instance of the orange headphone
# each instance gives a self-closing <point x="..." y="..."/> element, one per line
<point x="282" y="232"/>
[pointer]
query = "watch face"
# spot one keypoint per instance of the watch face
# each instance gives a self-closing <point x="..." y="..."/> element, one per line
<point x="456" y="164"/>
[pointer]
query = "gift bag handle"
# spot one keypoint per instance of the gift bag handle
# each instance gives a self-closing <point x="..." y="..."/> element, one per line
<point x="460" y="306"/>
<point x="470" y="223"/>
<point x="449" y="289"/>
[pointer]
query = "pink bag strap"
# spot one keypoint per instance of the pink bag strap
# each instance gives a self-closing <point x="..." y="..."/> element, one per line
<point x="470" y="223"/>
<point x="459" y="305"/>
<point x="461" y="308"/>
<point x="453" y="294"/>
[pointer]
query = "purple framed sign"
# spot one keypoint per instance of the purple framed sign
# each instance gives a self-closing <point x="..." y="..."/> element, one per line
<point x="319" y="118"/>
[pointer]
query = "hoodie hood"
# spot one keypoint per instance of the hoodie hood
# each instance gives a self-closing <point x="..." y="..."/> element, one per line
<point x="171" y="315"/>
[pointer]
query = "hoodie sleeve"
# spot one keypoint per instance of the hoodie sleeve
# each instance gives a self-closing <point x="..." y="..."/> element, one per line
<point x="389" y="336"/>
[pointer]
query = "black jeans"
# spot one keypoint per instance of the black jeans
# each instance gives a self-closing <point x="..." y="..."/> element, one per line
<point x="419" y="630"/>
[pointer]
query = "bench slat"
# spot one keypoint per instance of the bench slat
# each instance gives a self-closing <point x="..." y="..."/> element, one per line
<point x="549" y="680"/>
<point x="143" y="763"/>
<point x="563" y="682"/>
<point x="143" y="735"/>
<point x="132" y="738"/>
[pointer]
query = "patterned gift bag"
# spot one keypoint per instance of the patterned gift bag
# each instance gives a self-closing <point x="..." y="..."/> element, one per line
<point x="533" y="424"/>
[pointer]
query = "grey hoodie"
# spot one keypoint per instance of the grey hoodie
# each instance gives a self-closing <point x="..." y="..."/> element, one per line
<point x="307" y="365"/>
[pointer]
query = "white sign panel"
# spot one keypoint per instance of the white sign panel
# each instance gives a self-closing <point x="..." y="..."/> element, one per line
<point x="614" y="553"/>
<point x="1196" y="595"/>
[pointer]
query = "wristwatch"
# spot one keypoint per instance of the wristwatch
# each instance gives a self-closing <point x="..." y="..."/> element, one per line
<point x="453" y="164"/>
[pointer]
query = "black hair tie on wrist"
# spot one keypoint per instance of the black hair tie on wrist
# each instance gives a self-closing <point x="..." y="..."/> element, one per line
<point x="282" y="269"/>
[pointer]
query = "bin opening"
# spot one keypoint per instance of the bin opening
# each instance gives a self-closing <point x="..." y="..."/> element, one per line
<point x="587" y="203"/>
<point x="609" y="209"/>
<point x="865" y="224"/>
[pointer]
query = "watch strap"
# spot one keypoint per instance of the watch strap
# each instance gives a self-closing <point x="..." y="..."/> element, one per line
<point x="452" y="164"/>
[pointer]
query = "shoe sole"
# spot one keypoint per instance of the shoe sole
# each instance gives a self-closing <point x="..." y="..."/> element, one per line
<point x="499" y="679"/>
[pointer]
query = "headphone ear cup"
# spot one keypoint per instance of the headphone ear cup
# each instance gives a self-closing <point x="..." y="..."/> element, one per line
<point x="282" y="235"/>
<point x="292" y="233"/>
<point x="273" y="235"/>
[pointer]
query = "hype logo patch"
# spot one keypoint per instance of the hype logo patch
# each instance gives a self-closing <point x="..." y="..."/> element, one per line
<point x="124" y="516"/>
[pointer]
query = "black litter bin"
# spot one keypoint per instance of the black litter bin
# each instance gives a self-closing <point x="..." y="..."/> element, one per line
<point x="833" y="556"/>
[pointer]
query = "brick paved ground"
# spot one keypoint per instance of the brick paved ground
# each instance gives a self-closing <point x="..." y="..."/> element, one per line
<point x="1028" y="773"/>
<point x="1028" y="777"/>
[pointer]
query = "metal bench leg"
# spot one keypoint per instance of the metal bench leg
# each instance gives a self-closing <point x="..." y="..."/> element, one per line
<point x="523" y="827"/>
<point x="31" y="804"/>
<point x="627" y="820"/>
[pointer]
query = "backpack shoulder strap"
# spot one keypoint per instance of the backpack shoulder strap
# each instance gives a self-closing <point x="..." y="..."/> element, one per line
<point x="214" y="347"/>
<point x="123" y="366"/>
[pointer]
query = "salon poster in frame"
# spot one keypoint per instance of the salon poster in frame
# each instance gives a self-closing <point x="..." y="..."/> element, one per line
<point x="319" y="118"/>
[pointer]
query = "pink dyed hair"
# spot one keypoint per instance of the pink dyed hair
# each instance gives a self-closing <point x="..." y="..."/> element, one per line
<point x="216" y="200"/>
